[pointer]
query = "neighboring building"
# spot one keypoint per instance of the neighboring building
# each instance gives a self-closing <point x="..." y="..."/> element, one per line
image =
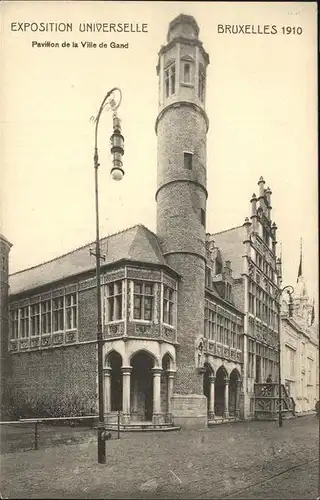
<point x="251" y="248"/>
<point x="5" y="246"/>
<point x="300" y="348"/>
<point x="223" y="339"/>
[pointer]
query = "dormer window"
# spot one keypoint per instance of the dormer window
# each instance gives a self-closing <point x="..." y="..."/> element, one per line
<point x="170" y="80"/>
<point x="218" y="266"/>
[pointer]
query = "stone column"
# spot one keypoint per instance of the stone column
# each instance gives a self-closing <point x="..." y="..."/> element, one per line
<point x="212" y="380"/>
<point x="156" y="415"/>
<point x="237" y="401"/>
<point x="226" y="398"/>
<point x="107" y="389"/>
<point x="126" y="374"/>
<point x="169" y="395"/>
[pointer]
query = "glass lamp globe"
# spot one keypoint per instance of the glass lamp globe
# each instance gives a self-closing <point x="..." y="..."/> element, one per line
<point x="117" y="174"/>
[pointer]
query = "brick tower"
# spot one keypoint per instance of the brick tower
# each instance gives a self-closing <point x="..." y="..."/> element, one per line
<point x="181" y="128"/>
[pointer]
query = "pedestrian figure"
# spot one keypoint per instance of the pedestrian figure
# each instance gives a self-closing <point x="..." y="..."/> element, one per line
<point x="317" y="409"/>
<point x="269" y="379"/>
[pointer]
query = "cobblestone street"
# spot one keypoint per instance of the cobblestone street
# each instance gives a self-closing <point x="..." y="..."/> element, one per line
<point x="243" y="460"/>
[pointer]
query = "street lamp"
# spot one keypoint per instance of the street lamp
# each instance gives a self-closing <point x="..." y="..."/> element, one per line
<point x="117" y="140"/>
<point x="289" y="289"/>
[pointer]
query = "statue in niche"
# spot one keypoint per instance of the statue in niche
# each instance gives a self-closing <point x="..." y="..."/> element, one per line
<point x="199" y="353"/>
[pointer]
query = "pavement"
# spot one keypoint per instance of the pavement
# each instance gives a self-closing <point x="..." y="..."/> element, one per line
<point x="231" y="461"/>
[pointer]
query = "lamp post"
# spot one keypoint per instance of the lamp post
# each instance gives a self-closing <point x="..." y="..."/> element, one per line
<point x="109" y="102"/>
<point x="289" y="289"/>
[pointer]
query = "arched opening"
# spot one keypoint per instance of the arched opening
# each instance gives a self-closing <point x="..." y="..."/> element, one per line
<point x="142" y="386"/>
<point x="220" y="383"/>
<point x="114" y="361"/>
<point x="234" y="392"/>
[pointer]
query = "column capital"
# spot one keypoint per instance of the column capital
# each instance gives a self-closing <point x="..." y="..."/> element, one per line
<point x="227" y="381"/>
<point x="212" y="377"/>
<point x="157" y="370"/>
<point x="171" y="373"/>
<point x="239" y="382"/>
<point x="107" y="371"/>
<point x="126" y="370"/>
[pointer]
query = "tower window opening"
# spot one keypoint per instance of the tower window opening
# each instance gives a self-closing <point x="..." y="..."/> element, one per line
<point x="201" y="85"/>
<point x="265" y="236"/>
<point x="186" y="73"/>
<point x="203" y="217"/>
<point x="187" y="160"/>
<point x="170" y="80"/>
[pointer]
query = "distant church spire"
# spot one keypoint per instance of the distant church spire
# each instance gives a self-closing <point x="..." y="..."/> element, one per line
<point x="300" y="263"/>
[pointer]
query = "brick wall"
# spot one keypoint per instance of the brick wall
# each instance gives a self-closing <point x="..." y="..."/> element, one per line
<point x="87" y="314"/>
<point x="182" y="196"/>
<point x="54" y="381"/>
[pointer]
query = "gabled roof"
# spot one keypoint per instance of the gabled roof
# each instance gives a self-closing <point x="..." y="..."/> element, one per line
<point x="230" y="242"/>
<point x="136" y="244"/>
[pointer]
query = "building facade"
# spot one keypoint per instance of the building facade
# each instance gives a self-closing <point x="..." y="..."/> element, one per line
<point x="190" y="319"/>
<point x="300" y="349"/>
<point x="251" y="249"/>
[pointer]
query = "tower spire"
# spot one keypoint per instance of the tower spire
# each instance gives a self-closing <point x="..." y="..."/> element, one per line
<point x="300" y="263"/>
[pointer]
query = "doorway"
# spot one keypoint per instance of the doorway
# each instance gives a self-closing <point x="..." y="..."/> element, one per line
<point x="142" y="387"/>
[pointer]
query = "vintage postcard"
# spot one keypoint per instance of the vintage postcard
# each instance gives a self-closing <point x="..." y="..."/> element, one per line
<point x="159" y="250"/>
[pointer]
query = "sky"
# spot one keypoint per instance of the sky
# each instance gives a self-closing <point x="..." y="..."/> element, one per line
<point x="261" y="103"/>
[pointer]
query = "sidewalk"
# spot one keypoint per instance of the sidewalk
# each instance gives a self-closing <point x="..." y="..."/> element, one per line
<point x="210" y="463"/>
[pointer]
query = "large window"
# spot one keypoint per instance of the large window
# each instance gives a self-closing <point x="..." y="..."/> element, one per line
<point x="14" y="320"/>
<point x="250" y="367"/>
<point x="46" y="316"/>
<point x="143" y="301"/>
<point x="35" y="319"/>
<point x="168" y="305"/>
<point x="291" y="354"/>
<point x="71" y="311"/>
<point x="24" y="321"/>
<point x="252" y="291"/>
<point x="57" y="311"/>
<point x="170" y="80"/>
<point x="210" y="324"/>
<point x="114" y="301"/>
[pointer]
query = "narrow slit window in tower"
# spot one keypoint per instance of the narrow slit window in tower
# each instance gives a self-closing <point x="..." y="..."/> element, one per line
<point x="187" y="160"/>
<point x="203" y="217"/>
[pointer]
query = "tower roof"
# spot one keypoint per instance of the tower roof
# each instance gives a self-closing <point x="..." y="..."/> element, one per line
<point x="183" y="25"/>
